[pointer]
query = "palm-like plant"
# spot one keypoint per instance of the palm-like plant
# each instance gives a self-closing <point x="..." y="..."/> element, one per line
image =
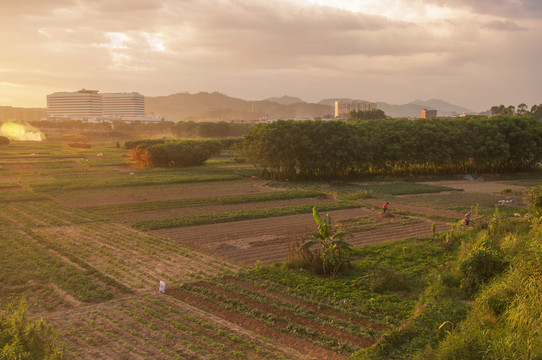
<point x="335" y="252"/>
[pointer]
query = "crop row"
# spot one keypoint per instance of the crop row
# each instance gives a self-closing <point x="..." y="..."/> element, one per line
<point x="23" y="261"/>
<point x="135" y="259"/>
<point x="45" y="213"/>
<point x="194" y="202"/>
<point x="345" y="295"/>
<point x="216" y="218"/>
<point x="152" y="325"/>
<point x="9" y="195"/>
<point x="141" y="177"/>
<point x="334" y="334"/>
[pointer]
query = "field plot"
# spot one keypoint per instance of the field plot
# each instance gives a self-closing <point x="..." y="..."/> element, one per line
<point x="136" y="260"/>
<point x="130" y="218"/>
<point x="134" y="194"/>
<point x="267" y="240"/>
<point x="161" y="327"/>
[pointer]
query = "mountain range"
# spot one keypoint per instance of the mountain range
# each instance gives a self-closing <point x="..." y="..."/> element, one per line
<point x="216" y="106"/>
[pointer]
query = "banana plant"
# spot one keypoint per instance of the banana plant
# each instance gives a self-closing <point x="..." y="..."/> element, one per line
<point x="335" y="251"/>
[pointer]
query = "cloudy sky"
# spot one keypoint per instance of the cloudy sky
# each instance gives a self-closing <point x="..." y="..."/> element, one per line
<point x="474" y="53"/>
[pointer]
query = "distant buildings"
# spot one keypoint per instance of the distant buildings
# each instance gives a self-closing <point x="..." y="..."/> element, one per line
<point x="80" y="104"/>
<point x="343" y="108"/>
<point x="89" y="105"/>
<point x="429" y="114"/>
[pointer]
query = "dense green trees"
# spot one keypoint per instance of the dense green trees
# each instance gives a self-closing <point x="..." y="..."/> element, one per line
<point x="374" y="114"/>
<point x="327" y="149"/>
<point x="522" y="110"/>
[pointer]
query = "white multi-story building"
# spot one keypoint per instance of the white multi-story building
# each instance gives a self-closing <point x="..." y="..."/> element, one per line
<point x="89" y="105"/>
<point x="84" y="104"/>
<point x="123" y="104"/>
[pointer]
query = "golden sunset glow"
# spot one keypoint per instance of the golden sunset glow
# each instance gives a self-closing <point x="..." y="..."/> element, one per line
<point x="395" y="51"/>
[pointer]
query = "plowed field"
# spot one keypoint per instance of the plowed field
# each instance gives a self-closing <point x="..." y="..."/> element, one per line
<point x="267" y="240"/>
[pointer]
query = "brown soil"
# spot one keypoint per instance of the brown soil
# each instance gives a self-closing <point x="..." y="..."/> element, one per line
<point x="298" y="344"/>
<point x="308" y="305"/>
<point x="267" y="240"/>
<point x="320" y="328"/>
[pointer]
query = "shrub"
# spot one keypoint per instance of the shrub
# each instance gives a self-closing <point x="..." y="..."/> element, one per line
<point x="4" y="140"/>
<point x="23" y="338"/>
<point x="483" y="262"/>
<point x="534" y="195"/>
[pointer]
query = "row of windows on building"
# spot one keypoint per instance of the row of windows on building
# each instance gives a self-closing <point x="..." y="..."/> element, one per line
<point x="89" y="104"/>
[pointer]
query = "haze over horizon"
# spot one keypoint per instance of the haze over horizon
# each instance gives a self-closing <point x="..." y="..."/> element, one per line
<point x="474" y="53"/>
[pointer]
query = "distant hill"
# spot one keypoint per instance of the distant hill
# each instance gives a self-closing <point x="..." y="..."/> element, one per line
<point x="216" y="107"/>
<point x="412" y="109"/>
<point x="443" y="107"/>
<point x="285" y="100"/>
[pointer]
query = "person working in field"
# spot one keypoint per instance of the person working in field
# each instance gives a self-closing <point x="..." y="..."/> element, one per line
<point x="384" y="208"/>
<point x="466" y="220"/>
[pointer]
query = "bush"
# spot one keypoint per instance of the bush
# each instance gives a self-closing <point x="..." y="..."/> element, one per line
<point x="384" y="279"/>
<point x="4" y="140"/>
<point x="483" y="262"/>
<point x="173" y="153"/>
<point x="534" y="195"/>
<point x="23" y="338"/>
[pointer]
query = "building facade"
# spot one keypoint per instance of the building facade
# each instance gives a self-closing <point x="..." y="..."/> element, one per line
<point x="79" y="104"/>
<point x="343" y="108"/>
<point x="123" y="104"/>
<point x="90" y="105"/>
<point x="429" y="114"/>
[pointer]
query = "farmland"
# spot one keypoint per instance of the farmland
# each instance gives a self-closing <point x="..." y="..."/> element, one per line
<point x="87" y="237"/>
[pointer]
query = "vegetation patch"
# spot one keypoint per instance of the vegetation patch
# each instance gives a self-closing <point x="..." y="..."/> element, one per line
<point x="238" y="216"/>
<point x="195" y="202"/>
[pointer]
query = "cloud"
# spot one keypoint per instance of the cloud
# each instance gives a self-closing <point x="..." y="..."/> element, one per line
<point x="512" y="9"/>
<point x="503" y="26"/>
<point x="252" y="48"/>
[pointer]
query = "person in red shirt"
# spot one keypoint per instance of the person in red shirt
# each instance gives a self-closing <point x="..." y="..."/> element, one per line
<point x="384" y="208"/>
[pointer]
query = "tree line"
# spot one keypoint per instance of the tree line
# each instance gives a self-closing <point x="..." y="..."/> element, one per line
<point x="326" y="149"/>
<point x="522" y="110"/>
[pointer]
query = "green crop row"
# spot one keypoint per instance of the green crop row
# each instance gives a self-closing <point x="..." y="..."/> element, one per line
<point x="22" y="261"/>
<point x="239" y="215"/>
<point x="142" y="177"/>
<point x="295" y="309"/>
<point x="194" y="202"/>
<point x="277" y="322"/>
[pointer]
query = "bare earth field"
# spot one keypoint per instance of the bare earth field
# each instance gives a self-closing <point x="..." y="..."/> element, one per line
<point x="267" y="240"/>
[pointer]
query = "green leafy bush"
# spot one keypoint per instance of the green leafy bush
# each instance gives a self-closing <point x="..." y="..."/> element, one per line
<point x="534" y="195"/>
<point x="26" y="339"/>
<point x="483" y="262"/>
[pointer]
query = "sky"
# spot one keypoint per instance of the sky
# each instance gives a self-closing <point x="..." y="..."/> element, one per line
<point x="472" y="53"/>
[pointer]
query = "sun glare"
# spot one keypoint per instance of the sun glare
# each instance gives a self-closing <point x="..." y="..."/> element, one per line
<point x="16" y="131"/>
